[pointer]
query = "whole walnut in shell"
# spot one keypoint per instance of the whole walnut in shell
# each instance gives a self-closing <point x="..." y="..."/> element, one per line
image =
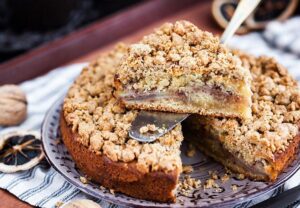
<point x="13" y="105"/>
<point x="82" y="203"/>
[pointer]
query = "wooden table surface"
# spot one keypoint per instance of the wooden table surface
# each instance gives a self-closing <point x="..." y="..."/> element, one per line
<point x="197" y="12"/>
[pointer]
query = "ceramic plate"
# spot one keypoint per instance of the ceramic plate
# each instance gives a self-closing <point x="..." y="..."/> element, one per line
<point x="246" y="192"/>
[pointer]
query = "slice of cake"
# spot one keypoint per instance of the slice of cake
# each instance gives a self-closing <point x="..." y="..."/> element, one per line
<point x="182" y="69"/>
<point x="262" y="146"/>
<point x="95" y="126"/>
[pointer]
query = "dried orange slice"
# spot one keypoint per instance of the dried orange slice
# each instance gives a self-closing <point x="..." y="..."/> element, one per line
<point x="20" y="150"/>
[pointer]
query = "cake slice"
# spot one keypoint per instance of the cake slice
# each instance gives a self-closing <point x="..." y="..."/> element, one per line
<point x="181" y="69"/>
<point x="262" y="146"/>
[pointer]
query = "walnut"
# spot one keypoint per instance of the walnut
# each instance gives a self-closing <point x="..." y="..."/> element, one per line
<point x="81" y="203"/>
<point x="13" y="105"/>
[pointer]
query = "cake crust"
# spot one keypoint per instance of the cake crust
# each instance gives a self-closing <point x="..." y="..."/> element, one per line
<point x="158" y="185"/>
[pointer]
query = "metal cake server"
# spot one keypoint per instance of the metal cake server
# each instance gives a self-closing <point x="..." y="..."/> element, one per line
<point x="166" y="120"/>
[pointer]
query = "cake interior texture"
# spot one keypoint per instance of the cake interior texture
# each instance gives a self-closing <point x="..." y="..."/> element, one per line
<point x="262" y="146"/>
<point x="180" y="68"/>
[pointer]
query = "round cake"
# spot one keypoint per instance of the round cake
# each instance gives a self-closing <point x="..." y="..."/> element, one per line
<point x="95" y="124"/>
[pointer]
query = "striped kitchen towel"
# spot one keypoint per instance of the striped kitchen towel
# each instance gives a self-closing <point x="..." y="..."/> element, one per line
<point x="42" y="186"/>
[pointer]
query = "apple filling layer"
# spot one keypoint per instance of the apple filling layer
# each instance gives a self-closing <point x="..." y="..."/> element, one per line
<point x="202" y="100"/>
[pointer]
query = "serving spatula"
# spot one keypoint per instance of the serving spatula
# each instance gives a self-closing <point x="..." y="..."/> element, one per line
<point x="166" y="121"/>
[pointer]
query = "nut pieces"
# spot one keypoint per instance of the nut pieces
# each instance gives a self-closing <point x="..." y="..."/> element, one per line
<point x="13" y="105"/>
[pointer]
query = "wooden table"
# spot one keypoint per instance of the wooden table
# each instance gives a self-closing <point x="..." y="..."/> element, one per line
<point x="126" y="26"/>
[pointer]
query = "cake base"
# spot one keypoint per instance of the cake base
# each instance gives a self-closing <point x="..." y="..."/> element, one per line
<point x="120" y="176"/>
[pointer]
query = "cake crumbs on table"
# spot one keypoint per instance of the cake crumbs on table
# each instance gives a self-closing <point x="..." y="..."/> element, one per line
<point x="225" y="178"/>
<point x="210" y="183"/>
<point x="58" y="141"/>
<point x="234" y="187"/>
<point x="148" y="128"/>
<point x="240" y="176"/>
<point x="218" y="190"/>
<point x="187" y="169"/>
<point x="112" y="191"/>
<point x="83" y="180"/>
<point x="213" y="174"/>
<point x="191" y="150"/>
<point x="188" y="184"/>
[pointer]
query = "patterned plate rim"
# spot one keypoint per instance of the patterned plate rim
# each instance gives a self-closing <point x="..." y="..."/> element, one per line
<point x="123" y="201"/>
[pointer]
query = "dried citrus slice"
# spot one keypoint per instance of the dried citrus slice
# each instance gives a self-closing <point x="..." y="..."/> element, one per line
<point x="20" y="150"/>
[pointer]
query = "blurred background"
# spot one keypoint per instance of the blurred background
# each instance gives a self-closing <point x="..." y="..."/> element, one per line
<point x="25" y="24"/>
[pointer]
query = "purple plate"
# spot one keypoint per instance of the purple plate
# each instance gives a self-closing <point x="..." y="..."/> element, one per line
<point x="247" y="190"/>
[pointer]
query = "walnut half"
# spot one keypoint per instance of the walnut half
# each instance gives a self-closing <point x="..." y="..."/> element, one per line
<point x="13" y="105"/>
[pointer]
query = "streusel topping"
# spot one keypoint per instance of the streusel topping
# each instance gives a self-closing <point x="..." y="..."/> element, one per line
<point x="276" y="113"/>
<point x="103" y="123"/>
<point x="180" y="54"/>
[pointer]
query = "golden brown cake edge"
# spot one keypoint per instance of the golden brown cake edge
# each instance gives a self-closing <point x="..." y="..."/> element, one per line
<point x="158" y="185"/>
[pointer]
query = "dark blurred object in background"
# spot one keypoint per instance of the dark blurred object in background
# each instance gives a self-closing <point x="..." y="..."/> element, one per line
<point x="267" y="10"/>
<point x="25" y="24"/>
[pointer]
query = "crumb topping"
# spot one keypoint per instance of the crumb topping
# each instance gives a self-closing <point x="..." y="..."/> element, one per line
<point x="92" y="111"/>
<point x="276" y="113"/>
<point x="178" y="55"/>
<point x="148" y="128"/>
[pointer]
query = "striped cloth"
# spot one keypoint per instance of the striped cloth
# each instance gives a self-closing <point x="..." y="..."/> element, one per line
<point x="42" y="186"/>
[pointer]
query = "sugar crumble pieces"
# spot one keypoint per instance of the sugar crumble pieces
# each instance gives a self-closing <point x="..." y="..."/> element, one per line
<point x="188" y="185"/>
<point x="151" y="128"/>
<point x="177" y="49"/>
<point x="191" y="151"/>
<point x="148" y="128"/>
<point x="112" y="191"/>
<point x="83" y="180"/>
<point x="234" y="187"/>
<point x="187" y="169"/>
<point x="225" y="178"/>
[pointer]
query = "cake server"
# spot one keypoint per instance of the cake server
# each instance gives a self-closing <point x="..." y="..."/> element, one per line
<point x="166" y="121"/>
